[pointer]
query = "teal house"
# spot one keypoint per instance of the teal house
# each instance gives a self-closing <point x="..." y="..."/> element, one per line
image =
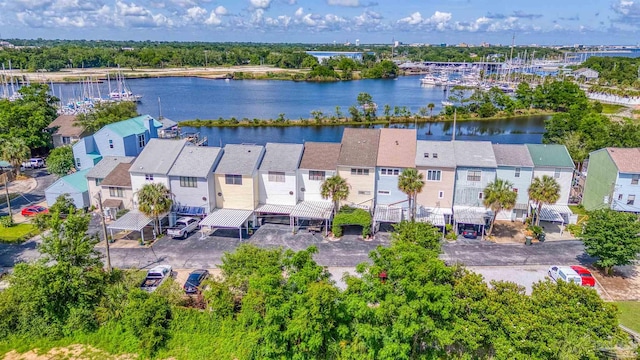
<point x="74" y="185"/>
<point x="613" y="180"/>
<point x="123" y="138"/>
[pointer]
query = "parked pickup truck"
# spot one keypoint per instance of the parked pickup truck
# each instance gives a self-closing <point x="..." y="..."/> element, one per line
<point x="155" y="277"/>
<point x="183" y="227"/>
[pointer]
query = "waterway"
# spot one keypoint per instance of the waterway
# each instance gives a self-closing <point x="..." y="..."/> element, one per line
<point x="182" y="98"/>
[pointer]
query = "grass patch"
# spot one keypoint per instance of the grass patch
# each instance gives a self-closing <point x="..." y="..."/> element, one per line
<point x="611" y="108"/>
<point x="630" y="314"/>
<point x="578" y="209"/>
<point x="17" y="233"/>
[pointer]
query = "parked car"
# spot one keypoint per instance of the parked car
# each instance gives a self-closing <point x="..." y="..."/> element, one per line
<point x="155" y="277"/>
<point x="585" y="274"/>
<point x="34" y="210"/>
<point x="192" y="285"/>
<point x="470" y="232"/>
<point x="33" y="163"/>
<point x="564" y="273"/>
<point x="183" y="227"/>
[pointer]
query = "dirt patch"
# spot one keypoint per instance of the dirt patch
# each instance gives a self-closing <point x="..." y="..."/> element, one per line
<point x="624" y="284"/>
<point x="508" y="232"/>
<point x="71" y="352"/>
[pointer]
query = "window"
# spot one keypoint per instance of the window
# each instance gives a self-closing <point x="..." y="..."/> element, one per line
<point x="440" y="194"/>
<point x="474" y="175"/>
<point x="276" y="176"/>
<point x="78" y="163"/>
<point x="98" y="181"/>
<point x="110" y="144"/>
<point x="515" y="190"/>
<point x="384" y="171"/>
<point x="480" y="195"/>
<point x="141" y="141"/>
<point x="148" y="177"/>
<point x="631" y="199"/>
<point x="517" y="173"/>
<point x="634" y="179"/>
<point x="233" y="179"/>
<point x="619" y="197"/>
<point x="355" y="171"/>
<point x="426" y="155"/>
<point x="187" y="181"/>
<point x="116" y="192"/>
<point x="361" y="192"/>
<point x="316" y="175"/>
<point x="434" y="175"/>
<point x="435" y="155"/>
<point x="556" y="173"/>
<point x="383" y="192"/>
<point x="66" y="140"/>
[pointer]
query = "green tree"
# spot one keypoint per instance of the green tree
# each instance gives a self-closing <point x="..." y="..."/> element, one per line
<point x="613" y="237"/>
<point x="355" y="113"/>
<point x="27" y="117"/>
<point x="105" y="114"/>
<point x="63" y="206"/>
<point x="147" y="317"/>
<point x="365" y="101"/>
<point x="543" y="191"/>
<point x="15" y="151"/>
<point x="430" y="106"/>
<point x="154" y="199"/>
<point x="387" y="112"/>
<point x="338" y="112"/>
<point x="498" y="196"/>
<point x="420" y="233"/>
<point x="411" y="183"/>
<point x="336" y="189"/>
<point x="60" y="161"/>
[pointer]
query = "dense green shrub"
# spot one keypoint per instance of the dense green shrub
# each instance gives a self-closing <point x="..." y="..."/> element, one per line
<point x="351" y="216"/>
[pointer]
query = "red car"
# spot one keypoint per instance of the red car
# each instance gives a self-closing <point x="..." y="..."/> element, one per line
<point x="587" y="278"/>
<point x="34" y="210"/>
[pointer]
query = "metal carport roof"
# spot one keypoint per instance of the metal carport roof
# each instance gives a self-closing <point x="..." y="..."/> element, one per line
<point x="470" y="215"/>
<point x="313" y="210"/>
<point x="555" y="213"/>
<point x="226" y="218"/>
<point x="431" y="215"/>
<point x="387" y="214"/>
<point x="275" y="209"/>
<point x="133" y="221"/>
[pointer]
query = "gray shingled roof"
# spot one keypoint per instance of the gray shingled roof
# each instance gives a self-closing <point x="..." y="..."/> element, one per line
<point x="512" y="155"/>
<point x="240" y="159"/>
<point x="474" y="154"/>
<point x="359" y="147"/>
<point x="158" y="156"/>
<point x="445" y="155"/>
<point x="106" y="165"/>
<point x="195" y="161"/>
<point x="281" y="157"/>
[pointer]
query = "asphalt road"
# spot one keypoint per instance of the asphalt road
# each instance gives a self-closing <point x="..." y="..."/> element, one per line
<point x="43" y="178"/>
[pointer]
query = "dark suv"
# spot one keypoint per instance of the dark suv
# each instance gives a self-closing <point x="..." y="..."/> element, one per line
<point x="469" y="232"/>
<point x="192" y="285"/>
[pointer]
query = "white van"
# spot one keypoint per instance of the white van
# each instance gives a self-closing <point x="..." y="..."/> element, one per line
<point x="33" y="163"/>
<point x="564" y="273"/>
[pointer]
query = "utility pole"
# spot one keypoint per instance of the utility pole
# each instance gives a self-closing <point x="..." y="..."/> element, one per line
<point x="104" y="228"/>
<point x="6" y="192"/>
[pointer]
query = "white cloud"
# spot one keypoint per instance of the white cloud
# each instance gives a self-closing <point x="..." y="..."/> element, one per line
<point x="413" y="19"/>
<point x="196" y="14"/>
<point x="220" y="10"/>
<point x="299" y="12"/>
<point x="213" y="19"/>
<point x="260" y="4"/>
<point x="351" y="3"/>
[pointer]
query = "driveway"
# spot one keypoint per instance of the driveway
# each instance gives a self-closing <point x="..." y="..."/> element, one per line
<point x="43" y="179"/>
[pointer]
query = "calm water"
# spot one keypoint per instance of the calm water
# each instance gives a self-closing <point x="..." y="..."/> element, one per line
<point x="191" y="98"/>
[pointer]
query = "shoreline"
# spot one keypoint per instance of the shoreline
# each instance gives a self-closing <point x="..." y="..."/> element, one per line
<point x="257" y="123"/>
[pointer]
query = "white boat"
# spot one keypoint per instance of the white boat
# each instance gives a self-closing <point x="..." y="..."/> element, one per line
<point x="429" y="80"/>
<point x="122" y="93"/>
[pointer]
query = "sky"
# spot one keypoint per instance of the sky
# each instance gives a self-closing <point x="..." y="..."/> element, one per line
<point x="545" y="22"/>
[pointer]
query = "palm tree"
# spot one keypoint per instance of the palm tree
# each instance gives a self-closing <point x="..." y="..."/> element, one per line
<point x="154" y="200"/>
<point x="544" y="191"/>
<point x="499" y="195"/>
<point x="411" y="183"/>
<point x="335" y="188"/>
<point x="431" y="106"/>
<point x="15" y="151"/>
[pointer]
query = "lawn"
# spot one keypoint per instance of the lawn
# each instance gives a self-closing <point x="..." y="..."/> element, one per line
<point x="611" y="108"/>
<point x="630" y="314"/>
<point x="17" y="233"/>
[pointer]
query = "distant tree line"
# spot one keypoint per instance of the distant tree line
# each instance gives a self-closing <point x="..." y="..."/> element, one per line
<point x="615" y="71"/>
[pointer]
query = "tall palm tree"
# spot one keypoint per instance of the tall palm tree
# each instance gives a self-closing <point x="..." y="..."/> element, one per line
<point x="498" y="196"/>
<point x="154" y="199"/>
<point x="544" y="191"/>
<point x="15" y="151"/>
<point x="336" y="189"/>
<point x="411" y="183"/>
<point x="431" y="106"/>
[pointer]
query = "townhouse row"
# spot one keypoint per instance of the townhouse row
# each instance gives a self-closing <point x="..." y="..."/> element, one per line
<point x="282" y="182"/>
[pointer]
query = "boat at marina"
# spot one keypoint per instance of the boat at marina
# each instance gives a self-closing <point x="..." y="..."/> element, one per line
<point x="122" y="91"/>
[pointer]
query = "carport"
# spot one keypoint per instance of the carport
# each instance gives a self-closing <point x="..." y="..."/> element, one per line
<point x="227" y="219"/>
<point x="434" y="216"/>
<point x="312" y="210"/>
<point x="385" y="214"/>
<point x="555" y="213"/>
<point x="131" y="221"/>
<point x="269" y="213"/>
<point x="475" y="216"/>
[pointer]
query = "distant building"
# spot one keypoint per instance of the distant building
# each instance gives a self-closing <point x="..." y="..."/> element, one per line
<point x="613" y="180"/>
<point x="323" y="55"/>
<point x="586" y="74"/>
<point x="64" y="132"/>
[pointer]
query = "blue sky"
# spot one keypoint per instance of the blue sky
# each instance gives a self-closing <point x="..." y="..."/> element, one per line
<point x="326" y="21"/>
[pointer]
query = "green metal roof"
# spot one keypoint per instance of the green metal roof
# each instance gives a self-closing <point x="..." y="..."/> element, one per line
<point x="550" y="155"/>
<point x="93" y="155"/>
<point x="132" y="126"/>
<point x="77" y="180"/>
